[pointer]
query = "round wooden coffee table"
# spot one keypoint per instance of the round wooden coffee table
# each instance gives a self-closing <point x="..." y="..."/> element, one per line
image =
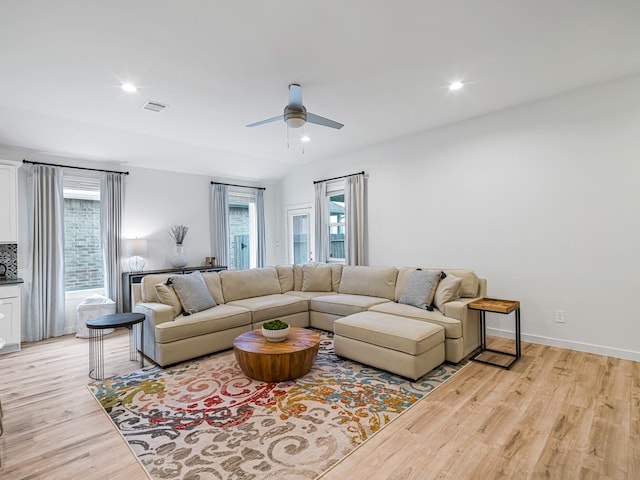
<point x="276" y="362"/>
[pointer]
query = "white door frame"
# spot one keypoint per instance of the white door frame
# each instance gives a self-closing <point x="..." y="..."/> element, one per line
<point x="290" y="212"/>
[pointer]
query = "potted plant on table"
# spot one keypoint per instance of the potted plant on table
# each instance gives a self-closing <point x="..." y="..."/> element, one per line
<point x="275" y="330"/>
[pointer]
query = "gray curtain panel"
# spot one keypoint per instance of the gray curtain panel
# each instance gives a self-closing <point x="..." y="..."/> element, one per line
<point x="220" y="223"/>
<point x="354" y="213"/>
<point x="261" y="258"/>
<point x="45" y="246"/>
<point x="321" y="221"/>
<point x="112" y="188"/>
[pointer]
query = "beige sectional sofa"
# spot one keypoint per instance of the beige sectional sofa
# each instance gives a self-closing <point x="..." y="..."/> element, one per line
<point x="360" y="304"/>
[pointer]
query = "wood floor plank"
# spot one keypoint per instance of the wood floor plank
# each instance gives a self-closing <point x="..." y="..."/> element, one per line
<point x="556" y="414"/>
<point x="54" y="429"/>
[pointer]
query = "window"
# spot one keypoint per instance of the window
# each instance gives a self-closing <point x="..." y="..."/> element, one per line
<point x="82" y="243"/>
<point x="243" y="230"/>
<point x="340" y="219"/>
<point x="336" y="226"/>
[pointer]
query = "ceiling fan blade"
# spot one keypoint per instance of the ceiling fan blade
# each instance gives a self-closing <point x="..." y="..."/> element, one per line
<point x="325" y="122"/>
<point x="295" y="96"/>
<point x="268" y="120"/>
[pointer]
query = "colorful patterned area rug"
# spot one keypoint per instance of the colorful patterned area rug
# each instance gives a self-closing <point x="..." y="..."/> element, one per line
<point x="204" y="419"/>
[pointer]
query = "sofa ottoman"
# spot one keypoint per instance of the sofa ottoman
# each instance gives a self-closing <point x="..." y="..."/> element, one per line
<point x="405" y="346"/>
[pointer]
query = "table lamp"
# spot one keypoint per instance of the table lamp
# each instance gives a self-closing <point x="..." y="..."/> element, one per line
<point x="136" y="248"/>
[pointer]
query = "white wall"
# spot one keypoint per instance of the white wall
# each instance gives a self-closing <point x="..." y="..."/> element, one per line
<point x="542" y="200"/>
<point x="156" y="200"/>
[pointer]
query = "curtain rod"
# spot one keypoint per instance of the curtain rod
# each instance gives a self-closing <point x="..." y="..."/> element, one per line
<point x="69" y="166"/>
<point x="338" y="178"/>
<point x="234" y="185"/>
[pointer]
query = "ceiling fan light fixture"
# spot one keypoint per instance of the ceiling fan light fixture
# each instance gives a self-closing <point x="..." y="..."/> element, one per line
<point x="295" y="122"/>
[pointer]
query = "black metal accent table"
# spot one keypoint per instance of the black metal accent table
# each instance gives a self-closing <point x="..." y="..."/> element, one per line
<point x="496" y="305"/>
<point x="98" y="325"/>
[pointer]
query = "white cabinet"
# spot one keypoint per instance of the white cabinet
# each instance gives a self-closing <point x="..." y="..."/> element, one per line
<point x="8" y="204"/>
<point x="10" y="317"/>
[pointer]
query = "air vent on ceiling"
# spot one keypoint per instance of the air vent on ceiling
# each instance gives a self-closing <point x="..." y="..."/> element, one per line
<point x="152" y="106"/>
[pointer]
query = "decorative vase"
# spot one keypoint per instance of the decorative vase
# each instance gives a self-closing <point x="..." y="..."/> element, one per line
<point x="275" y="335"/>
<point x="179" y="260"/>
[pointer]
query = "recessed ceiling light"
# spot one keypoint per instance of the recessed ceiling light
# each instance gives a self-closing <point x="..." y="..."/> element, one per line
<point x="456" y="86"/>
<point x="129" y="87"/>
<point x="305" y="138"/>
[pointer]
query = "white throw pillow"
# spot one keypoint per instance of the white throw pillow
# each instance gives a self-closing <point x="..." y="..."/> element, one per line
<point x="167" y="295"/>
<point x="447" y="291"/>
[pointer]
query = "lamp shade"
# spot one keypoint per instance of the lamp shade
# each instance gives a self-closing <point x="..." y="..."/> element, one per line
<point x="136" y="247"/>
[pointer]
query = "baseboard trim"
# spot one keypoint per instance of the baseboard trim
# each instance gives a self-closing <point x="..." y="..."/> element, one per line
<point x="571" y="345"/>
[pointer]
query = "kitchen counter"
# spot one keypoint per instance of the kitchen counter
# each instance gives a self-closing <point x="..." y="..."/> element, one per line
<point x="11" y="281"/>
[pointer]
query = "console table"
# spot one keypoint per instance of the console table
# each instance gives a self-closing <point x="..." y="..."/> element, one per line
<point x="496" y="305"/>
<point x="129" y="278"/>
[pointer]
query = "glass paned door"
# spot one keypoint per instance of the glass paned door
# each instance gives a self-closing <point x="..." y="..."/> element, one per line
<point x="299" y="233"/>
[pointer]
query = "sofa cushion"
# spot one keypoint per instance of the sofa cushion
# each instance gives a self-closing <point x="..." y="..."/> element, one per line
<point x="192" y="292"/>
<point x="316" y="278"/>
<point x="297" y="277"/>
<point x="397" y="333"/>
<point x="212" y="281"/>
<point x="343" y="305"/>
<point x="309" y="295"/>
<point x="223" y="317"/>
<point x="447" y="291"/>
<point x="452" y="326"/>
<point x="404" y="274"/>
<point x="420" y="288"/>
<point x="285" y="277"/>
<point x="148" y="286"/>
<point x="470" y="282"/>
<point x="167" y="295"/>
<point x="269" y="307"/>
<point x="369" y="281"/>
<point x="256" y="282"/>
<point x="336" y="276"/>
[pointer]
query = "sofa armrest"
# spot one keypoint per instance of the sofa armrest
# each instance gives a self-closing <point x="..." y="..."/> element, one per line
<point x="470" y="320"/>
<point x="156" y="313"/>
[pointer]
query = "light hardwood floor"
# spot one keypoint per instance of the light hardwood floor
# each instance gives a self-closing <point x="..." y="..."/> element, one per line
<point x="558" y="414"/>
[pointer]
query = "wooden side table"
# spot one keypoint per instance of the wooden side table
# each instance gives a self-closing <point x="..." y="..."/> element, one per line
<point x="98" y="325"/>
<point x="496" y="305"/>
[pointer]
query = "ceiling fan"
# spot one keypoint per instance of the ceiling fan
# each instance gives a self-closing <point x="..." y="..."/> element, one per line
<point x="295" y="115"/>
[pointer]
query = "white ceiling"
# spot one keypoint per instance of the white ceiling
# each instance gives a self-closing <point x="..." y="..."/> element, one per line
<point x="380" y="67"/>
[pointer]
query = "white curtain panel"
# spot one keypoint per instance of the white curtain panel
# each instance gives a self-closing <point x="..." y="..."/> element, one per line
<point x="322" y="218"/>
<point x="45" y="247"/>
<point x="261" y="258"/>
<point x="354" y="205"/>
<point x="219" y="223"/>
<point x="112" y="188"/>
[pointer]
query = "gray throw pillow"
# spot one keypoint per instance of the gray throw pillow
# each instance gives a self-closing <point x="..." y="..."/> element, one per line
<point x="420" y="289"/>
<point x="192" y="292"/>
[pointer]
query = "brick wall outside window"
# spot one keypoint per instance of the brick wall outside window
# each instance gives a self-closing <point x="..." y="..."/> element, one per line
<point x="82" y="250"/>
